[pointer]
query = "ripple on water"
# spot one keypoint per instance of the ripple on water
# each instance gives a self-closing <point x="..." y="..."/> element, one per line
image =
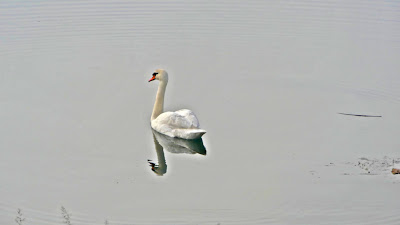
<point x="351" y="212"/>
<point x="30" y="30"/>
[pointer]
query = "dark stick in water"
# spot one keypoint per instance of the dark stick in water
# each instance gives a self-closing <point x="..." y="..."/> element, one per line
<point x="349" y="114"/>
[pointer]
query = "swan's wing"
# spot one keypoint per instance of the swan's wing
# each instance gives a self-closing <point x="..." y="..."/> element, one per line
<point x="183" y="118"/>
<point x="183" y="124"/>
<point x="172" y="120"/>
<point x="189" y="116"/>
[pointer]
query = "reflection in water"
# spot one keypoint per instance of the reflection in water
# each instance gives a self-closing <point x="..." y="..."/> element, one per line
<point x="173" y="145"/>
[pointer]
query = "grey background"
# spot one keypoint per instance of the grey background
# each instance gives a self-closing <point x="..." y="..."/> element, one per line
<point x="265" y="78"/>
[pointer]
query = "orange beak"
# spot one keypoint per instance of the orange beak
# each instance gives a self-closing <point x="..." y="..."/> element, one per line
<point x="153" y="78"/>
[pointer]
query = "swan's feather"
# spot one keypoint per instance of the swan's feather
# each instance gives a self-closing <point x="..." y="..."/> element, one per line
<point x="181" y="124"/>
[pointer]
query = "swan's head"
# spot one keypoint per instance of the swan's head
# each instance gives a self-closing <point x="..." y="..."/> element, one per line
<point x="160" y="75"/>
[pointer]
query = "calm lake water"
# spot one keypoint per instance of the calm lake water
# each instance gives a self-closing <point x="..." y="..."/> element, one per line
<point x="266" y="79"/>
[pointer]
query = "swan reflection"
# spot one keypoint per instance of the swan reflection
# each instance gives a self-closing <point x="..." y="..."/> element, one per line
<point x="173" y="145"/>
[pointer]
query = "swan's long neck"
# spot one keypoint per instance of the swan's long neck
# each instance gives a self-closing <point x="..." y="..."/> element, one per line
<point x="159" y="104"/>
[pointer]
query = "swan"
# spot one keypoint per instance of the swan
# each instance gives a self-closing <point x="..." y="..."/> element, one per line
<point x="182" y="123"/>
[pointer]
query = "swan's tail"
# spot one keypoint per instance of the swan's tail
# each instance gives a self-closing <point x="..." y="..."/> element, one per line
<point x="190" y="133"/>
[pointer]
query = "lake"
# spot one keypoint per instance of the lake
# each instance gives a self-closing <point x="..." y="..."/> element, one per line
<point x="267" y="80"/>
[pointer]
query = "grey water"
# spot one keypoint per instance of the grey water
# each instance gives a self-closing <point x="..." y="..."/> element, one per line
<point x="267" y="80"/>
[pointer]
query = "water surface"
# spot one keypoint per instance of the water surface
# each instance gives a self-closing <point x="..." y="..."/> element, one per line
<point x="267" y="80"/>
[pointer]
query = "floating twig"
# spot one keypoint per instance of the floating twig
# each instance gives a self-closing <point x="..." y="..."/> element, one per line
<point x="349" y="114"/>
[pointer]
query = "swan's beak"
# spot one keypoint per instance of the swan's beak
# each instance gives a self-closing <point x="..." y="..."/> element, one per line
<point x="153" y="78"/>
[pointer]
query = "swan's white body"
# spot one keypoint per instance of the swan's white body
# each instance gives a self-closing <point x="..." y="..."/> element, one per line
<point x="181" y="124"/>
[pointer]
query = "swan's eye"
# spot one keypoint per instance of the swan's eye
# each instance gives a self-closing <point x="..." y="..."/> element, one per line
<point x="154" y="74"/>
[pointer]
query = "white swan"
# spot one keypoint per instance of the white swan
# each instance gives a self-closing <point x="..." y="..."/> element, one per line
<point x="181" y="124"/>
